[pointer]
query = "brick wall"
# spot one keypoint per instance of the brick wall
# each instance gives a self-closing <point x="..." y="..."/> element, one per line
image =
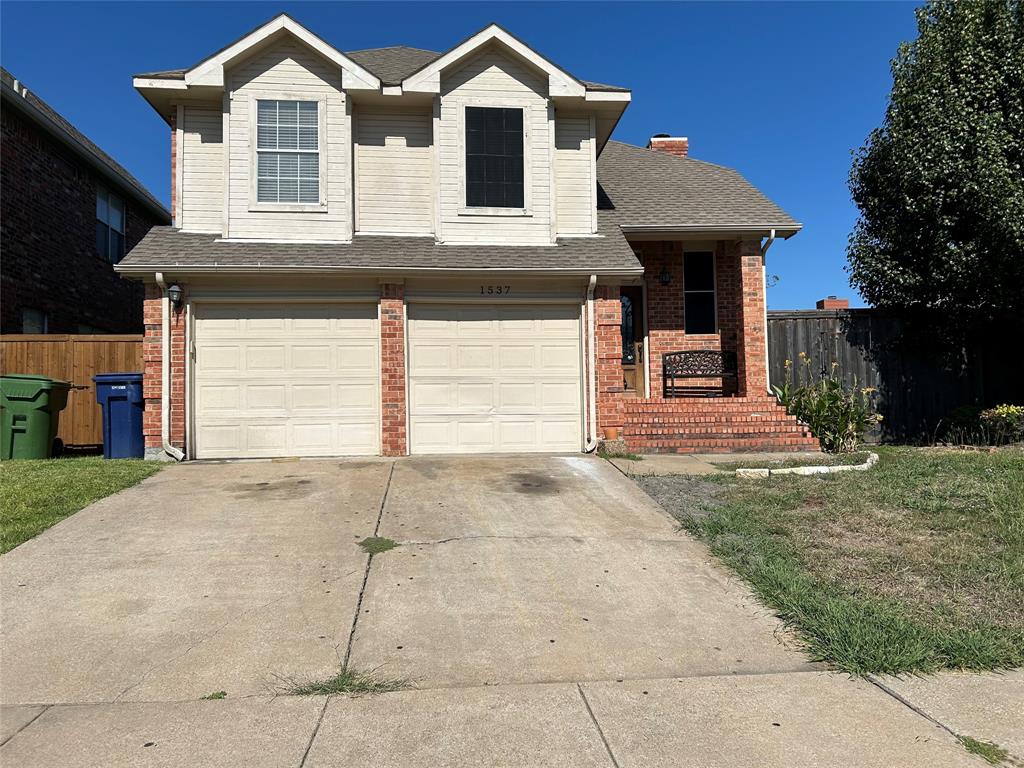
<point x="666" y="332"/>
<point x="152" y="355"/>
<point x="392" y="362"/>
<point x="751" y="349"/>
<point x="608" y="348"/>
<point x="48" y="230"/>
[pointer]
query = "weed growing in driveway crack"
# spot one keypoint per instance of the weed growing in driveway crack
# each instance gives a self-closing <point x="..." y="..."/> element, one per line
<point x="374" y="545"/>
<point x="215" y="695"/>
<point x="350" y="681"/>
<point x="988" y="751"/>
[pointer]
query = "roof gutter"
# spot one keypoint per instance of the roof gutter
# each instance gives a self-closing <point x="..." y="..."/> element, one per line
<point x="165" y="371"/>
<point x="785" y="230"/>
<point x="148" y="269"/>
<point x="14" y="97"/>
<point x="764" y="292"/>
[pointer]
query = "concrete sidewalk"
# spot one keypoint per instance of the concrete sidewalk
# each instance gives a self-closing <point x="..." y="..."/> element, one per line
<point x="796" y="720"/>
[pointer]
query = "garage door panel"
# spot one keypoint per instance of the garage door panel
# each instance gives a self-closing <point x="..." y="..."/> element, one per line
<point x="494" y="379"/>
<point x="286" y="380"/>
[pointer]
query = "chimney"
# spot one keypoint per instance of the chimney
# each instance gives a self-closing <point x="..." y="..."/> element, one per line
<point x="673" y="145"/>
<point x="831" y="302"/>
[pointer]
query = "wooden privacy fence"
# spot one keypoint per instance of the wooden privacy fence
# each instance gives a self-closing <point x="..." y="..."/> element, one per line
<point x="75" y="358"/>
<point x="918" y="388"/>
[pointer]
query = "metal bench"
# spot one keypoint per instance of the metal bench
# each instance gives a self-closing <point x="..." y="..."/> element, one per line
<point x="696" y="364"/>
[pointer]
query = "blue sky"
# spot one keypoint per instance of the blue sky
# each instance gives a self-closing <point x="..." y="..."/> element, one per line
<point x="783" y="92"/>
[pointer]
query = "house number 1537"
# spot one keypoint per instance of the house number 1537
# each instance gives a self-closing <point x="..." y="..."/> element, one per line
<point x="495" y="290"/>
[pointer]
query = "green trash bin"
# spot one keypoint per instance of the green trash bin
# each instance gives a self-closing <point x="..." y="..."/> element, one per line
<point x="30" y="409"/>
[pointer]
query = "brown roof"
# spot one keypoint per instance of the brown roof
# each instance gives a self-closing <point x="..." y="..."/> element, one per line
<point x="16" y="94"/>
<point x="647" y="188"/>
<point x="167" y="249"/>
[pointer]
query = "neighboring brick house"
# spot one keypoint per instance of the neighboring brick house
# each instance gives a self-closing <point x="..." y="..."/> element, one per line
<point x="60" y="195"/>
<point x="397" y="251"/>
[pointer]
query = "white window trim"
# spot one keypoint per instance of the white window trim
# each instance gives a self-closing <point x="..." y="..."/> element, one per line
<point x="717" y="333"/>
<point x="255" y="206"/>
<point x="469" y="210"/>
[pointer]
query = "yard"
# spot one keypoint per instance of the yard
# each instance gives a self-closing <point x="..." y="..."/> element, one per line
<point x="914" y="566"/>
<point x="37" y="494"/>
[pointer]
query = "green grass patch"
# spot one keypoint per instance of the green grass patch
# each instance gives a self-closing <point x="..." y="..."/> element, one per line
<point x="824" y="460"/>
<point x="374" y="545"/>
<point x="986" y="750"/>
<point x="35" y="494"/>
<point x="215" y="696"/>
<point x="350" y="681"/>
<point x="915" y="566"/>
<point x="620" y="455"/>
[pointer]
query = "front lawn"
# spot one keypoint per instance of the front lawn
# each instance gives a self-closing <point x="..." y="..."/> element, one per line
<point x="36" y="494"/>
<point x="915" y="565"/>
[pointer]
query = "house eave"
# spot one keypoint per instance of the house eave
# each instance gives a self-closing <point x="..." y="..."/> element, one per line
<point x="131" y="270"/>
<point x="716" y="231"/>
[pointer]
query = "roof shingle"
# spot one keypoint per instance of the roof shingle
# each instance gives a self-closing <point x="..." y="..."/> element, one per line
<point x="647" y="188"/>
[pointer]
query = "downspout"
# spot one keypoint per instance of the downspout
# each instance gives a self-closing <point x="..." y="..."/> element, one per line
<point x="764" y="291"/>
<point x="591" y="364"/>
<point x="165" y="371"/>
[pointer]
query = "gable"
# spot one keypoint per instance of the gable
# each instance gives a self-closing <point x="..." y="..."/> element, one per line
<point x="494" y="74"/>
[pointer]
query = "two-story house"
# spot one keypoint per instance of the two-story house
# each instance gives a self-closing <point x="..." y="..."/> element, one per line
<point x="398" y="251"/>
<point x="68" y="213"/>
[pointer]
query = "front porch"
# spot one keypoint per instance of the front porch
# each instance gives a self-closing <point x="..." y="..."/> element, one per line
<point x="695" y="296"/>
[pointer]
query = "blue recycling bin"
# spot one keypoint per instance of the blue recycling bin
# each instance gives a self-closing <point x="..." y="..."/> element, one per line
<point x="120" y="396"/>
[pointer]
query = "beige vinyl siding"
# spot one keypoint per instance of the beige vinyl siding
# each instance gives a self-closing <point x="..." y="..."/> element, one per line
<point x="288" y="71"/>
<point x="202" y="169"/>
<point x="495" y="79"/>
<point x="394" y="172"/>
<point x="574" y="183"/>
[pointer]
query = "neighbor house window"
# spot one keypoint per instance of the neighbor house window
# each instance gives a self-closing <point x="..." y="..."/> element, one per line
<point x="109" y="226"/>
<point x="34" y="321"/>
<point x="494" y="158"/>
<point x="287" y="152"/>
<point x="699" y="315"/>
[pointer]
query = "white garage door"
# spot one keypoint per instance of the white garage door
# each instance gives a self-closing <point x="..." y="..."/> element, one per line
<point x="494" y="379"/>
<point x="286" y="380"/>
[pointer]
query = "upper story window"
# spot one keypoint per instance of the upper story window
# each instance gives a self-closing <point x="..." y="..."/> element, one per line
<point x="109" y="226"/>
<point x="494" y="158"/>
<point x="700" y="313"/>
<point x="287" y="152"/>
<point x="34" y="321"/>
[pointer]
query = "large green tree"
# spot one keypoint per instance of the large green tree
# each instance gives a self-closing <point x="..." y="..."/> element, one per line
<point x="940" y="185"/>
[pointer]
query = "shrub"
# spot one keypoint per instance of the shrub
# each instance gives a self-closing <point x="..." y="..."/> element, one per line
<point x="1004" y="423"/>
<point x="837" y="415"/>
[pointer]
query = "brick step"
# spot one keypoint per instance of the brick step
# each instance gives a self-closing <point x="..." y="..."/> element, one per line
<point x="731" y="446"/>
<point x="648" y="412"/>
<point x="703" y="421"/>
<point x="718" y="434"/>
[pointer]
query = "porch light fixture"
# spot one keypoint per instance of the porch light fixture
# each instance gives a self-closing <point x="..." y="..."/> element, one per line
<point x="665" y="277"/>
<point x="174" y="293"/>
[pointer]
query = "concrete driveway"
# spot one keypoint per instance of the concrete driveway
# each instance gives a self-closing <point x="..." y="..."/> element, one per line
<point x="546" y="611"/>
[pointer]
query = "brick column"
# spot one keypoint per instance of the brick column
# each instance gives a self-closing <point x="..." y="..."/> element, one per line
<point x="753" y="377"/>
<point x="393" y="441"/>
<point x="152" y="382"/>
<point x="608" y="346"/>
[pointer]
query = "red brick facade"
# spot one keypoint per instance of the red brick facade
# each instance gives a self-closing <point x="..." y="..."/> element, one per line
<point x="48" y="230"/>
<point x="392" y="362"/>
<point x="152" y="356"/>
<point x="746" y="419"/>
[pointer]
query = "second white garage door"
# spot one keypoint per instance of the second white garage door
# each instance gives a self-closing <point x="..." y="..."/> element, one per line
<point x="494" y="379"/>
<point x="276" y="379"/>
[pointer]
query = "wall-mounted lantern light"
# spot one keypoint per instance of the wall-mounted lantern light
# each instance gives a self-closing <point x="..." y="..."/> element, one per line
<point x="174" y="293"/>
<point x="665" y="277"/>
